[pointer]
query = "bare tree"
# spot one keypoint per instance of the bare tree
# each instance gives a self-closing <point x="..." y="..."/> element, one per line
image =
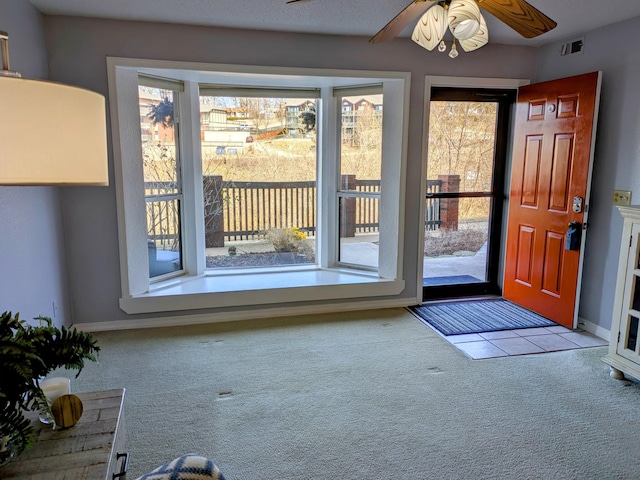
<point x="462" y="142"/>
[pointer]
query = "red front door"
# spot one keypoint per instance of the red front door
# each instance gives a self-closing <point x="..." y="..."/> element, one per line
<point x="552" y="157"/>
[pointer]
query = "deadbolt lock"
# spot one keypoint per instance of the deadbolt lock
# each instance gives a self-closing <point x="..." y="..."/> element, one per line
<point x="577" y="204"/>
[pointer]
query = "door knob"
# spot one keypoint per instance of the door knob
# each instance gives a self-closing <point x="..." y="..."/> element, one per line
<point x="574" y="235"/>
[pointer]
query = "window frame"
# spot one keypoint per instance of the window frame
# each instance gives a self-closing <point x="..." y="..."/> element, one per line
<point x="176" y="88"/>
<point x="197" y="288"/>
<point x="480" y="83"/>
<point x="341" y="193"/>
<point x="504" y="99"/>
<point x="243" y="91"/>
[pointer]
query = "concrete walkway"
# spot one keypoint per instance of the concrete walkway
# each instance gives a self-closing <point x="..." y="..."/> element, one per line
<point x="363" y="250"/>
<point x="474" y="265"/>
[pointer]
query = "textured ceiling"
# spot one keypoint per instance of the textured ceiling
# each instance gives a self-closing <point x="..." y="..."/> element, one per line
<point x="345" y="17"/>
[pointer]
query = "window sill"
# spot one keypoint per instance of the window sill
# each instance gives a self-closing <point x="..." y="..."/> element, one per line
<point x="233" y="290"/>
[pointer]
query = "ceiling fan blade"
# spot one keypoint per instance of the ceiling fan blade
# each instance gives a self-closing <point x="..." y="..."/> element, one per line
<point x="525" y="19"/>
<point x="400" y="21"/>
<point x="296" y="1"/>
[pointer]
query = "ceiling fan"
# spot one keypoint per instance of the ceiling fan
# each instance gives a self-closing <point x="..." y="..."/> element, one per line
<point x="465" y="21"/>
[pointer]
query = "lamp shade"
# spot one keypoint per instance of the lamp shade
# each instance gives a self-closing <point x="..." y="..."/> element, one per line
<point x="51" y="134"/>
<point x="464" y="18"/>
<point x="430" y="28"/>
<point x="480" y="39"/>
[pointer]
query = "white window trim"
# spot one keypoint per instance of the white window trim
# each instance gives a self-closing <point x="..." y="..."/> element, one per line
<point x="197" y="289"/>
<point x="340" y="94"/>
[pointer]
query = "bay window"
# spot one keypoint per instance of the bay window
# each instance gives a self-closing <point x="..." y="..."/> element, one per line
<point x="242" y="186"/>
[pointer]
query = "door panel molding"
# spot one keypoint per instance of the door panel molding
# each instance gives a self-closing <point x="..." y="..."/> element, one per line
<point x="561" y="172"/>
<point x="531" y="171"/>
<point x="551" y="269"/>
<point x="524" y="263"/>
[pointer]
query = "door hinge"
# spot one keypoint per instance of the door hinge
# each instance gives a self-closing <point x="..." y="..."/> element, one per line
<point x="618" y="338"/>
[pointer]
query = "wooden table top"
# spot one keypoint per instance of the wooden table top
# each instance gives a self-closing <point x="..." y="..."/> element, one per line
<point x="83" y="451"/>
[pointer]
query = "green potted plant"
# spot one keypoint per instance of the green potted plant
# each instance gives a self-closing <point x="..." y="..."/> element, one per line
<point x="27" y="354"/>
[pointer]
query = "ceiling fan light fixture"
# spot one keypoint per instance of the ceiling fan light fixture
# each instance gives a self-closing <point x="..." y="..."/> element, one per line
<point x="431" y="27"/>
<point x="464" y="18"/>
<point x="480" y="39"/>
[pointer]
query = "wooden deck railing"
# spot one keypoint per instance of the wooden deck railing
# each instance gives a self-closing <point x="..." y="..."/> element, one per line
<point x="245" y="210"/>
<point x="432" y="220"/>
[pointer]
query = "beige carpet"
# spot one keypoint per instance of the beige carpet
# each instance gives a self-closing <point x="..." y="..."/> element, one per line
<point x="367" y="395"/>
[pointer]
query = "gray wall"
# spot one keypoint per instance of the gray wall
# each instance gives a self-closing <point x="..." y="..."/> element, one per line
<point x="614" y="51"/>
<point x="32" y="254"/>
<point x="31" y="249"/>
<point x="78" y="48"/>
<point x="32" y="260"/>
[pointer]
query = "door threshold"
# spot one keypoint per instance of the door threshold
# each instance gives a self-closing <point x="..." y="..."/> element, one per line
<point x="461" y="299"/>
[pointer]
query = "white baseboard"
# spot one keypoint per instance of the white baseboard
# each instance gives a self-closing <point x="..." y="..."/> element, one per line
<point x="594" y="329"/>
<point x="182" y="320"/>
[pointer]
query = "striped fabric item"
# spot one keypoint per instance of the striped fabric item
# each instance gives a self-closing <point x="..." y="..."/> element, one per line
<point x="187" y="467"/>
<point x="477" y="316"/>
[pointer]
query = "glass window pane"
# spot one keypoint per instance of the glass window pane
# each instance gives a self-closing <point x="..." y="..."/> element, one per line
<point x="361" y="139"/>
<point x="456" y="252"/>
<point x="359" y="231"/>
<point x="461" y="145"/>
<point x="636" y="294"/>
<point x="159" y="157"/>
<point x="360" y="169"/>
<point x="163" y="239"/>
<point x="632" y="336"/>
<point x="160" y="163"/>
<point x="259" y="181"/>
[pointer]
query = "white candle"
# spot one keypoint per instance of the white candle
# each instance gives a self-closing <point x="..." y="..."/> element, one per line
<point x="55" y="387"/>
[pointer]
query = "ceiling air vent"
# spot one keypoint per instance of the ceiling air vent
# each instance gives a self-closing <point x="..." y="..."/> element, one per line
<point x="573" y="47"/>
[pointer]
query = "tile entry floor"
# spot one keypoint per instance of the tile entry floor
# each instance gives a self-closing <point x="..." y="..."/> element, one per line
<point x="522" y="341"/>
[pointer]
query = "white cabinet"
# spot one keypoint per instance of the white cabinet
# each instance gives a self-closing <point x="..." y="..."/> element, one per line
<point x="624" y="344"/>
